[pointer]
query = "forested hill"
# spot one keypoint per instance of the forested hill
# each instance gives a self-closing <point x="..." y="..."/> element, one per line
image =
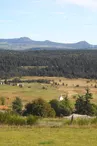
<point x="72" y="64"/>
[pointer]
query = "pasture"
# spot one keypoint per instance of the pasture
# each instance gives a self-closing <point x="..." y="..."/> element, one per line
<point x="58" y="86"/>
<point x="38" y="136"/>
<point x="49" y="132"/>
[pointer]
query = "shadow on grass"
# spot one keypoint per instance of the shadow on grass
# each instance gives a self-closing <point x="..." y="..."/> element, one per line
<point x="46" y="143"/>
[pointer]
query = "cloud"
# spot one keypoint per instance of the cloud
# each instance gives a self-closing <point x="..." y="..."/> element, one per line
<point x="85" y="3"/>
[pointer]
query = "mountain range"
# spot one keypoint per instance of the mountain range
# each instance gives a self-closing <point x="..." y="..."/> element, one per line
<point x="24" y="43"/>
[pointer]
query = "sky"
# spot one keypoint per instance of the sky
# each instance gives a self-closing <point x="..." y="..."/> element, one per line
<point x="64" y="21"/>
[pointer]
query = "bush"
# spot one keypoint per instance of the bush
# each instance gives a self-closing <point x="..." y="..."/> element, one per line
<point x="2" y="100"/>
<point x="31" y="120"/>
<point x="56" y="106"/>
<point x="17" y="105"/>
<point x="84" y="106"/>
<point x="94" y="121"/>
<point x="39" y="107"/>
<point x="13" y="119"/>
<point x="62" y="108"/>
<point x="16" y="80"/>
<point x="65" y="107"/>
<point x="51" y="113"/>
<point x="16" y="120"/>
<point x="93" y="110"/>
<point x="3" y="118"/>
<point x="77" y="86"/>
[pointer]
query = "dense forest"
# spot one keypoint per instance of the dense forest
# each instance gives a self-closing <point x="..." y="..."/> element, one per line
<point x="65" y="63"/>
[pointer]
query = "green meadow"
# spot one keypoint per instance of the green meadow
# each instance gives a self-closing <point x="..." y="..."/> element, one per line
<point x="35" y="136"/>
<point x="29" y="92"/>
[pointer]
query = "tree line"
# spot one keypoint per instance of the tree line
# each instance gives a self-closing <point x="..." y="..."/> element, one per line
<point x="57" y="108"/>
<point x="39" y="108"/>
<point x="65" y="63"/>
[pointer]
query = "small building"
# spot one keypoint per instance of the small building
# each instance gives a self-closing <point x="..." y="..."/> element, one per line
<point x="4" y="108"/>
<point x="1" y="83"/>
<point x="61" y="98"/>
<point x="18" y="84"/>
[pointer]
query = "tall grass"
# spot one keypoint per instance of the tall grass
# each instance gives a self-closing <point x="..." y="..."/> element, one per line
<point x="81" y="121"/>
<point x="13" y="119"/>
<point x="31" y="120"/>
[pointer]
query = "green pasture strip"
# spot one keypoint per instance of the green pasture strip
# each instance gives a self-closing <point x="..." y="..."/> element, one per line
<point x="35" y="136"/>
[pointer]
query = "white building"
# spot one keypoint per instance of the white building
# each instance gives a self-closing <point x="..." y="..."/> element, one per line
<point x="61" y="98"/>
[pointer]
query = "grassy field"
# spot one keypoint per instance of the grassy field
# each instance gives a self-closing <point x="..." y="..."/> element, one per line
<point x="32" y="136"/>
<point x="72" y="87"/>
<point x="36" y="89"/>
<point x="49" y="132"/>
<point x="28" y="94"/>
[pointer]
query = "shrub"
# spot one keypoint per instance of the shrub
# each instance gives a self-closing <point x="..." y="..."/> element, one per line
<point x="94" y="121"/>
<point x="17" y="105"/>
<point x="51" y="113"/>
<point x="3" y="118"/>
<point x="93" y="110"/>
<point x="16" y="80"/>
<point x="84" y="106"/>
<point x="65" y="107"/>
<point x="13" y="119"/>
<point x="56" y="106"/>
<point x="62" y="108"/>
<point x="2" y="100"/>
<point x="16" y="120"/>
<point x="77" y="85"/>
<point x="31" y="120"/>
<point x="39" y="107"/>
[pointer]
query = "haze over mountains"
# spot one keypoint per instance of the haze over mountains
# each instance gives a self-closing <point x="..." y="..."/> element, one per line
<point x="24" y="43"/>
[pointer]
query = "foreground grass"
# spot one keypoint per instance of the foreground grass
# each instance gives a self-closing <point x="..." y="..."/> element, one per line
<point x="34" y="136"/>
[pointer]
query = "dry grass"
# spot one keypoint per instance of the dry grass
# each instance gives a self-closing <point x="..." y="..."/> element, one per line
<point x="28" y="94"/>
<point x="53" y="91"/>
<point x="70" y="85"/>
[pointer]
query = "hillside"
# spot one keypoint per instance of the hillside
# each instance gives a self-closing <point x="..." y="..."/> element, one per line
<point x="65" y="63"/>
<point x="24" y="43"/>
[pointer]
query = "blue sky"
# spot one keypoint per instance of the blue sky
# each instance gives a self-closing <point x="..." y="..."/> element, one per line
<point x="55" y="20"/>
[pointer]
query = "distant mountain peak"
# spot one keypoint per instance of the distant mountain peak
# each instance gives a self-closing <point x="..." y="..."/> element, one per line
<point x="23" y="43"/>
<point x="25" y="39"/>
<point x="47" y="41"/>
<point x="83" y="42"/>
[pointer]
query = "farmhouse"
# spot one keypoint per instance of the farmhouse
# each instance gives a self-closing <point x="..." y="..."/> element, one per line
<point x="61" y="98"/>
